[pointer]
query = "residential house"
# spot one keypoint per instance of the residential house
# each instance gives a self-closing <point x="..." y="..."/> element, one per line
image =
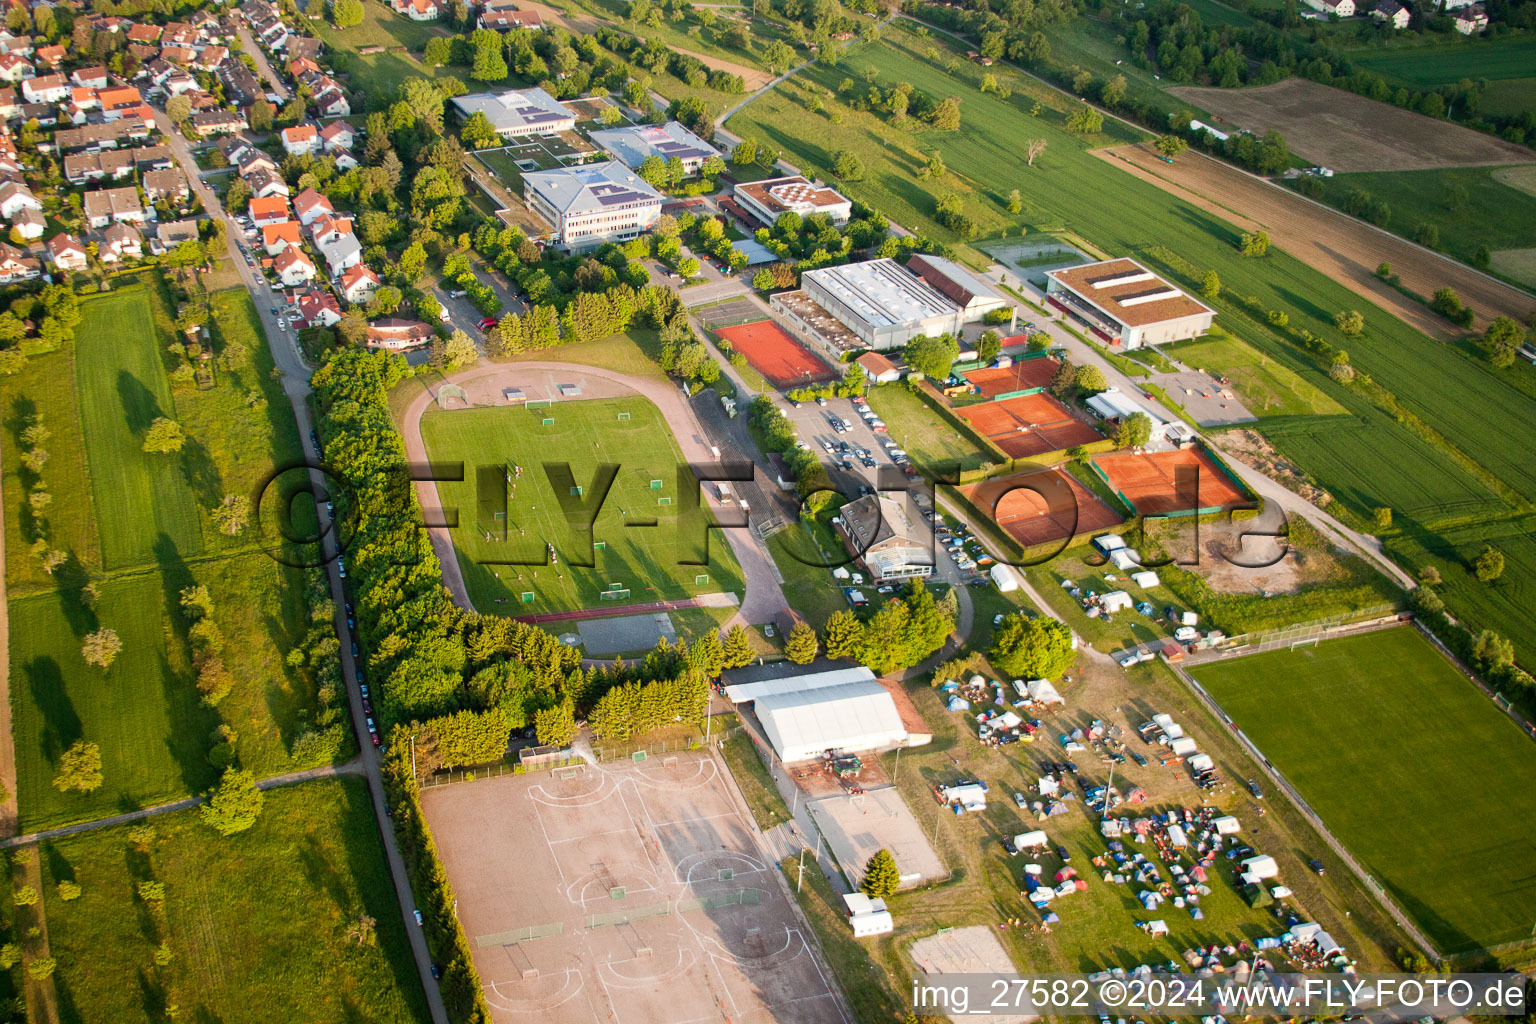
<point x="240" y="84"/>
<point x="14" y="67"/>
<point x="12" y="43"/>
<point x="330" y="101"/>
<point x="397" y="335"/>
<point x="1337" y="8"/>
<point x="301" y="138"/>
<point x="341" y="252"/>
<point x="319" y="309"/>
<point x="66" y="253"/>
<point x="181" y="56"/>
<point x="304" y="46"/>
<point x="29" y="224"/>
<point x="171" y="234"/>
<point x="506" y="18"/>
<point x="90" y="78"/>
<point x="277" y="237"/>
<point x="119" y="102"/>
<point x="113" y="206"/>
<point x="170" y="185"/>
<point x="309" y="206"/>
<point x="1393" y="13"/>
<point x="45" y="114"/>
<point x="293" y="268"/>
<point x="266" y="183"/>
<point x="144" y="32"/>
<point x="357" y="284"/>
<point x="16" y="265"/>
<point x="268" y="210"/>
<point x="879" y="533"/>
<point x="1471" y="20"/>
<point x="120" y="242"/>
<point x="210" y="58"/>
<point x="218" y="122"/>
<point x="100" y="136"/>
<point x="8" y="105"/>
<point x="180" y="82"/>
<point x="417" y="10"/>
<point x="298" y="67"/>
<point x="14" y="198"/>
<point x="45" y="89"/>
<point x="338" y="135"/>
<point x="52" y="56"/>
<point x="329" y="227"/>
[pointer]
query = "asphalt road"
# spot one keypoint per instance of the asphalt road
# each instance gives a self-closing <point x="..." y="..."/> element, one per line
<point x="296" y="375"/>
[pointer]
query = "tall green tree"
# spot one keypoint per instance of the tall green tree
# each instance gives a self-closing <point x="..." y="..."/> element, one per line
<point x="234" y="804"/>
<point x="1035" y="647"/>
<point x="800" y="647"/>
<point x="881" y="876"/>
<point x="79" y="768"/>
<point x="844" y="634"/>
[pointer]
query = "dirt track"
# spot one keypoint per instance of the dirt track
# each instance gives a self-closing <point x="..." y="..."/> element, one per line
<point x="1341" y="247"/>
<point x="1338" y="129"/>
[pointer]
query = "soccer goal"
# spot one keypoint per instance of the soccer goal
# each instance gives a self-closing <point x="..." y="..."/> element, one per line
<point x="571" y="771"/>
<point x="1310" y="641"/>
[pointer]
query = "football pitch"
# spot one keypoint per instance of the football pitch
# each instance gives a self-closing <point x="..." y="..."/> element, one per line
<point x="646" y="543"/>
<point x="1429" y="785"/>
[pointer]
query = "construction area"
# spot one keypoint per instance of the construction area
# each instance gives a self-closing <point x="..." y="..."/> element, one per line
<point x="632" y="893"/>
<point x="1040" y="507"/>
<point x="1179" y="482"/>
<point x="1029" y="425"/>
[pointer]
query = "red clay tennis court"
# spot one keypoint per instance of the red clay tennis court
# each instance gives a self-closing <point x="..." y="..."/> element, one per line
<point x="782" y="360"/>
<point x="1149" y="483"/>
<point x="1040" y="507"/>
<point x="1029" y="425"/>
<point x="1021" y="376"/>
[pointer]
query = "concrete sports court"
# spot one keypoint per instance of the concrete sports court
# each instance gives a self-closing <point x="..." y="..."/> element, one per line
<point x="971" y="950"/>
<point x="856" y="826"/>
<point x="631" y="893"/>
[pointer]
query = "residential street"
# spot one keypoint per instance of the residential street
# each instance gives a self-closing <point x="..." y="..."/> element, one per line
<point x="263" y="68"/>
<point x="296" y="374"/>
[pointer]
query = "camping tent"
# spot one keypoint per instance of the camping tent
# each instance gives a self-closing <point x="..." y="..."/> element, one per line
<point x="1030" y="840"/>
<point x="1257" y="896"/>
<point x="1125" y="558"/>
<point x="1176" y="837"/>
<point x="1264" y="866"/>
<point x="1157" y="927"/>
<point x="1006" y="578"/>
<point x="1146" y="579"/>
<point x="1227" y="826"/>
<point x="1108" y="542"/>
<point x="1183" y="746"/>
<point x="1201" y="763"/>
<point x="1116" y="600"/>
<point x="1042" y="691"/>
<point x="968" y="795"/>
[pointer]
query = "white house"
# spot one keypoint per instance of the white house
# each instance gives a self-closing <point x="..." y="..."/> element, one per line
<point x="293" y="268"/>
<point x="1393" y="13"/>
<point x="417" y="10"/>
<point x="593" y="203"/>
<point x="15" y="197"/>
<point x="309" y="206"/>
<point x="357" y="284"/>
<point x="341" y="253"/>
<point x="1471" y="20"/>
<point x="1337" y="8"/>
<point x="301" y="138"/>
<point x="66" y="252"/>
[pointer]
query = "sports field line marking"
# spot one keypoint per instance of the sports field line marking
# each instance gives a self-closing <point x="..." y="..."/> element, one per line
<point x="701" y="817"/>
<point x="632" y="981"/>
<point x="548" y="844"/>
<point x="526" y="1008"/>
<point x="745" y="962"/>
<point x="816" y="963"/>
<point x="591" y="835"/>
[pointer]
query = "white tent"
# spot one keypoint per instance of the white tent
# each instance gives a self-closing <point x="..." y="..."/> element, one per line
<point x="1030" y="840"/>
<point x="1108" y="542"/>
<point x="867" y="916"/>
<point x="1201" y="763"/>
<point x="1125" y="558"/>
<point x="967" y="794"/>
<point x="1048" y="786"/>
<point x="1264" y="866"/>
<point x="1116" y="600"/>
<point x="1157" y="927"/>
<point x="1176" y="837"/>
<point x="1227" y="826"/>
<point x="1183" y="746"/>
<point x="1146" y="579"/>
<point x="1005" y="577"/>
<point x="1166" y="723"/>
<point x="1042" y="691"/>
<point x="802" y="724"/>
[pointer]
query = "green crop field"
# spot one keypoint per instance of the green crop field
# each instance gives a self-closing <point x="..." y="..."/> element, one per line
<point x="1494" y="214"/>
<point x="123" y="388"/>
<point x="255" y="922"/>
<point x="1509" y="96"/>
<point x="1423" y="67"/>
<point x="1267" y="387"/>
<point x="645" y="560"/>
<point x="1371" y="730"/>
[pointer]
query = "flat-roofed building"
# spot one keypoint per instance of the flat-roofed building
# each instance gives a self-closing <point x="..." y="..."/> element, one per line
<point x="630" y="146"/>
<point x="518" y="112"/>
<point x="593" y="203"/>
<point x="1126" y="304"/>
<point x="766" y="200"/>
<point x="883" y="303"/>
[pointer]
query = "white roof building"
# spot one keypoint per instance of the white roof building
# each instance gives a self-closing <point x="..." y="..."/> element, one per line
<point x="518" y="112"/>
<point x="805" y="716"/>
<point x="631" y="146"/>
<point x="593" y="203"/>
<point x="867" y="916"/>
<point x="881" y="302"/>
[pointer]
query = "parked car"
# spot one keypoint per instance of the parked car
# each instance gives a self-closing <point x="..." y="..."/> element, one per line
<point x="1253" y="787"/>
<point x="1316" y="866"/>
<point x="487" y="323"/>
<point x="1020" y="801"/>
<point x="418" y="916"/>
<point x="1063" y="853"/>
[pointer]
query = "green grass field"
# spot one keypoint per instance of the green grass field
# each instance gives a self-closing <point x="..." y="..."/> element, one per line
<point x="258" y="923"/>
<point x="1495" y="214"/>
<point x="1423" y="67"/>
<point x="1509" y="96"/>
<point x="123" y="388"/>
<point x="646" y="560"/>
<point x="1372" y="730"/>
<point x="922" y="433"/>
<point x="378" y="75"/>
<point x="1267" y="387"/>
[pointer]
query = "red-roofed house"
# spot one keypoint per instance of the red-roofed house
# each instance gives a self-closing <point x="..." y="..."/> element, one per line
<point x="301" y="138"/>
<point x="66" y="252"/>
<point x="293" y="268"/>
<point x="268" y="210"/>
<point x="357" y="284"/>
<point x="337" y="135"/>
<point x="277" y="237"/>
<point x="417" y="10"/>
<point x="319" y="309"/>
<point x="144" y="33"/>
<point x="50" y="55"/>
<point x="309" y="206"/>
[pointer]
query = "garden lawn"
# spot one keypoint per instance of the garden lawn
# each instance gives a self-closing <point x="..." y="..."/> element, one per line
<point x="1375" y="732"/>
<point x="648" y="561"/>
<point x="47" y="386"/>
<point x="258" y="922"/>
<point x="1495" y="214"/>
<point x="807" y="573"/>
<point x="1266" y="386"/>
<point x="143" y="501"/>
<point x="378" y="75"/>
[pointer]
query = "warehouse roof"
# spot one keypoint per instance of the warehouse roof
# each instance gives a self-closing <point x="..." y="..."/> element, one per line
<point x="1128" y="292"/>
<point x="632" y="145"/>
<point x="882" y="292"/>
<point x="847" y="716"/>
